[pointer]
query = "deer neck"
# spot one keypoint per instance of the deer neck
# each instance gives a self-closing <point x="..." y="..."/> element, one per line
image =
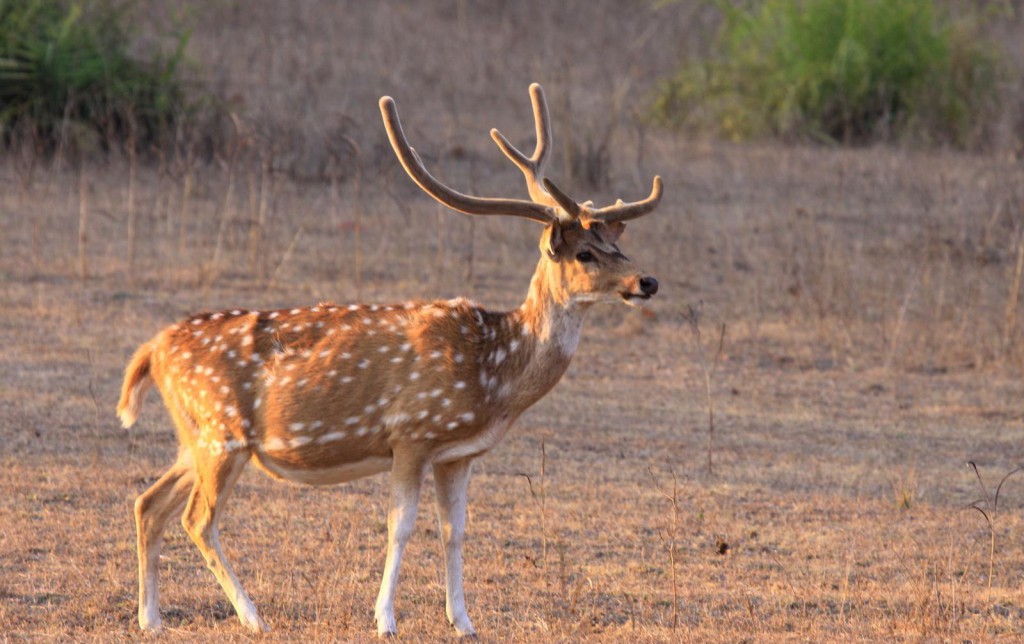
<point x="552" y="322"/>
<point x="552" y="317"/>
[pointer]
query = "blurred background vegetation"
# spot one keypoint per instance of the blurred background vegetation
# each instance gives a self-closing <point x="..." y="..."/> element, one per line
<point x="848" y="71"/>
<point x="73" y="75"/>
<point x="89" y="75"/>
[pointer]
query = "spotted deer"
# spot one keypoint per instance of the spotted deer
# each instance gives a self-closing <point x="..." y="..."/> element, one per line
<point x="327" y="394"/>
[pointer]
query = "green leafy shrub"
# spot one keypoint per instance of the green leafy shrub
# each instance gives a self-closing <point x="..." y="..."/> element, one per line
<point x="66" y="70"/>
<point x="850" y="71"/>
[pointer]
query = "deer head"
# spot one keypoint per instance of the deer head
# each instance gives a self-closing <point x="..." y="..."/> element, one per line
<point x="580" y="261"/>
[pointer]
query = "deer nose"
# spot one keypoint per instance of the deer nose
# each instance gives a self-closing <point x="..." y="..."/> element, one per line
<point x="648" y="285"/>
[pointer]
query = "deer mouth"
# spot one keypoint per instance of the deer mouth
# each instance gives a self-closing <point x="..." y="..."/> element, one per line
<point x="629" y="297"/>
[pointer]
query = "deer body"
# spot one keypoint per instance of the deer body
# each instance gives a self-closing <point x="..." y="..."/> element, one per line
<point x="327" y="394"/>
<point x="315" y="394"/>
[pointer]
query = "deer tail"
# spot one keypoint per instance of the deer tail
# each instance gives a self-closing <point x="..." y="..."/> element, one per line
<point x="137" y="381"/>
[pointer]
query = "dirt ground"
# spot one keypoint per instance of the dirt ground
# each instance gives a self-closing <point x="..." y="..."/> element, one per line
<point x="850" y="319"/>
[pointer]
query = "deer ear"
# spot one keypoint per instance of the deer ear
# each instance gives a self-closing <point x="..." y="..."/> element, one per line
<point x="552" y="241"/>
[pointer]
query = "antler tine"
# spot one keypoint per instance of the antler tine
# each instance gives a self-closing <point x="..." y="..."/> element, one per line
<point x="453" y="199"/>
<point x="625" y="211"/>
<point x="565" y="201"/>
<point x="533" y="167"/>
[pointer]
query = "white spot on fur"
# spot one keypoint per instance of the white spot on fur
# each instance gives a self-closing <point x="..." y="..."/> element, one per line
<point x="235" y="445"/>
<point x="275" y="445"/>
<point x="394" y="420"/>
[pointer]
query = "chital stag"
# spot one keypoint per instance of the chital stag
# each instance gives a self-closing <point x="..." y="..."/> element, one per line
<point x="329" y="394"/>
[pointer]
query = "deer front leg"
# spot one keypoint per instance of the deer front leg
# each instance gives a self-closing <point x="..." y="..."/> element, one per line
<point x="451" y="481"/>
<point x="407" y="472"/>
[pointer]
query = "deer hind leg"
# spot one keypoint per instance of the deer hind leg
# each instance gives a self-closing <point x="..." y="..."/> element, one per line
<point x="215" y="477"/>
<point x="153" y="509"/>
<point x="407" y="473"/>
<point x="452" y="481"/>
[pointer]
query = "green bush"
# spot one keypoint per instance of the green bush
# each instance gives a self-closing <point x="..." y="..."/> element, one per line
<point x="850" y="71"/>
<point x="66" y="70"/>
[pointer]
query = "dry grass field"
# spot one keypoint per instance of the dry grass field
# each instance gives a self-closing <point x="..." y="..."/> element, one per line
<point x="860" y="340"/>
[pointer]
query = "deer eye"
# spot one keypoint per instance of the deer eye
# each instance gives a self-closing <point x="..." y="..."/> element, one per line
<point x="585" y="256"/>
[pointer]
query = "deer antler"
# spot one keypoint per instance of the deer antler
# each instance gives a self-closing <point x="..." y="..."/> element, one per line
<point x="549" y="203"/>
<point x="544" y="191"/>
<point x="622" y="211"/>
<point x="541" y="212"/>
<point x="533" y="167"/>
